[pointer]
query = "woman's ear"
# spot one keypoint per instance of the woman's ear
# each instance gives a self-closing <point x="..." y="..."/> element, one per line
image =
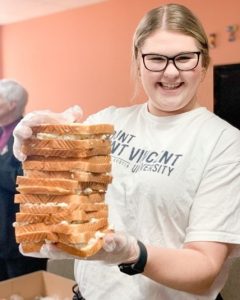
<point x="203" y="74"/>
<point x="138" y="67"/>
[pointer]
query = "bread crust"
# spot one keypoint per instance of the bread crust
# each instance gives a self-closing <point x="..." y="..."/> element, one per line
<point x="86" y="251"/>
<point x="34" y="233"/>
<point x="91" y="177"/>
<point x="95" y="164"/>
<point x="74" y="128"/>
<point x="67" y="208"/>
<point x="77" y="153"/>
<point x="31" y="246"/>
<point x="66" y="144"/>
<point x="62" y="182"/>
<point x="55" y="186"/>
<point x="80" y="238"/>
<point x="44" y="190"/>
<point x="47" y="174"/>
<point x="77" y="228"/>
<point x="28" y="218"/>
<point x="31" y="198"/>
<point x="74" y="174"/>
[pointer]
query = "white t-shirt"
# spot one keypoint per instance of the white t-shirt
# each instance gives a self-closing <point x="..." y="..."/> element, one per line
<point x="176" y="179"/>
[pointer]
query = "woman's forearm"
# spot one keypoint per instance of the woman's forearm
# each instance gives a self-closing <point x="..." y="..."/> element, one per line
<point x="188" y="270"/>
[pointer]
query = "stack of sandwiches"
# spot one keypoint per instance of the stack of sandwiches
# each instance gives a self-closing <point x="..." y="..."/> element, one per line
<point x="62" y="192"/>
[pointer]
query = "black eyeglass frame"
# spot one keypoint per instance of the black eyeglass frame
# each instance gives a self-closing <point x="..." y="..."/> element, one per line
<point x="171" y="58"/>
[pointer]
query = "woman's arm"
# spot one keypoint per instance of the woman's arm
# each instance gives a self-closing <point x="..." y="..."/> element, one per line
<point x="191" y="269"/>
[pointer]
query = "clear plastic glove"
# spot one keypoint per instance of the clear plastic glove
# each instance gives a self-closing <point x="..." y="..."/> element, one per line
<point x="23" y="130"/>
<point x="47" y="251"/>
<point x="117" y="248"/>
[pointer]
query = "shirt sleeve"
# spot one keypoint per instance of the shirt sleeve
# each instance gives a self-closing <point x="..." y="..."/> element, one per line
<point x="215" y="213"/>
<point x="103" y="116"/>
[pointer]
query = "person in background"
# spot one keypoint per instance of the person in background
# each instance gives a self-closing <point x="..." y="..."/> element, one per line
<point x="175" y="196"/>
<point x="13" y="99"/>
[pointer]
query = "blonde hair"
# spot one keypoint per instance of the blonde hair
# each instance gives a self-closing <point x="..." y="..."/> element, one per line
<point x="171" y="17"/>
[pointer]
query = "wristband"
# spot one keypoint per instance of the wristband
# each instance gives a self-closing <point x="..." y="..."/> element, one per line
<point x="137" y="267"/>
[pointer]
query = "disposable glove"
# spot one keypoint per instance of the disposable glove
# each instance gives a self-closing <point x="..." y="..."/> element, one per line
<point x="47" y="251"/>
<point x="23" y="130"/>
<point x="117" y="248"/>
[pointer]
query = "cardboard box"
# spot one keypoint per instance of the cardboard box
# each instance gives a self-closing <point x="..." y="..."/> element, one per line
<point x="38" y="283"/>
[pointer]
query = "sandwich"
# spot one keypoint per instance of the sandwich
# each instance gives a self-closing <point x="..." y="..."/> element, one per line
<point x="69" y="141"/>
<point x="62" y="191"/>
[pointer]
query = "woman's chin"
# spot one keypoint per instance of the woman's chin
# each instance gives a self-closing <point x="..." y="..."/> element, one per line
<point x="165" y="110"/>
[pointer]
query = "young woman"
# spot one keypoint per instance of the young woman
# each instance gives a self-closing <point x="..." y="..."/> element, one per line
<point x="174" y="201"/>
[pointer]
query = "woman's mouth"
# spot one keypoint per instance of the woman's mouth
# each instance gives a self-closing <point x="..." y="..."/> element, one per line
<point x="170" y="86"/>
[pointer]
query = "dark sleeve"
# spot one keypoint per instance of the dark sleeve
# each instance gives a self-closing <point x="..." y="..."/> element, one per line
<point x="10" y="168"/>
<point x="8" y="177"/>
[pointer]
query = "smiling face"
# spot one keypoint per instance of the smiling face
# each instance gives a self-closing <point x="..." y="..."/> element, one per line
<point x="170" y="91"/>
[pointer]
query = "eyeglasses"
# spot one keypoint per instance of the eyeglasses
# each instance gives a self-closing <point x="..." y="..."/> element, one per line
<point x="185" y="61"/>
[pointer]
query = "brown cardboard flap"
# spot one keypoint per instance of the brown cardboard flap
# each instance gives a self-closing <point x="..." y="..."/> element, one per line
<point x="38" y="283"/>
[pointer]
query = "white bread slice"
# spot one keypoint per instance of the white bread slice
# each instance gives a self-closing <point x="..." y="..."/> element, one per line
<point x="74" y="128"/>
<point x="95" y="164"/>
<point x="44" y="190"/>
<point x="77" y="153"/>
<point x="28" y="185"/>
<point x="66" y="183"/>
<point x="34" y="233"/>
<point x="47" y="174"/>
<point x="83" y="251"/>
<point x="58" y="186"/>
<point x="66" y="144"/>
<point x="74" y="174"/>
<point x="78" y="243"/>
<point x="28" y="218"/>
<point x="80" y="238"/>
<point x="54" y="208"/>
<point x="91" y="177"/>
<point x="30" y="198"/>
<point x="91" y="187"/>
<point x="28" y="247"/>
<point x="67" y="228"/>
<point x="54" y="218"/>
<point x="78" y="216"/>
<point x="36" y="236"/>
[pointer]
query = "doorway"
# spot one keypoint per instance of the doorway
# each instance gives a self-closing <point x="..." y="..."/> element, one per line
<point x="227" y="93"/>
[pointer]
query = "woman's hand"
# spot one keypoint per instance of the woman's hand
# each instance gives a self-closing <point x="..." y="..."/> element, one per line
<point x="118" y="248"/>
<point x="23" y="130"/>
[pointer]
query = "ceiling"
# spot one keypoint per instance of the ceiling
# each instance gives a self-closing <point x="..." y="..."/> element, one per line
<point x="18" y="10"/>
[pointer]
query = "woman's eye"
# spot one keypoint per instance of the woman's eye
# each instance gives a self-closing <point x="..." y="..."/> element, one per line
<point x="183" y="58"/>
<point x="157" y="58"/>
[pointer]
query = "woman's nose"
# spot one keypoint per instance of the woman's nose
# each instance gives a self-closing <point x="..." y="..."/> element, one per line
<point x="171" y="69"/>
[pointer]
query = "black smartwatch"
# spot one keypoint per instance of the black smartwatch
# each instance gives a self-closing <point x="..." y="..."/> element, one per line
<point x="137" y="267"/>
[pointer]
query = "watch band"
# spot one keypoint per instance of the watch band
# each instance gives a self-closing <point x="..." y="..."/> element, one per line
<point x="137" y="267"/>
